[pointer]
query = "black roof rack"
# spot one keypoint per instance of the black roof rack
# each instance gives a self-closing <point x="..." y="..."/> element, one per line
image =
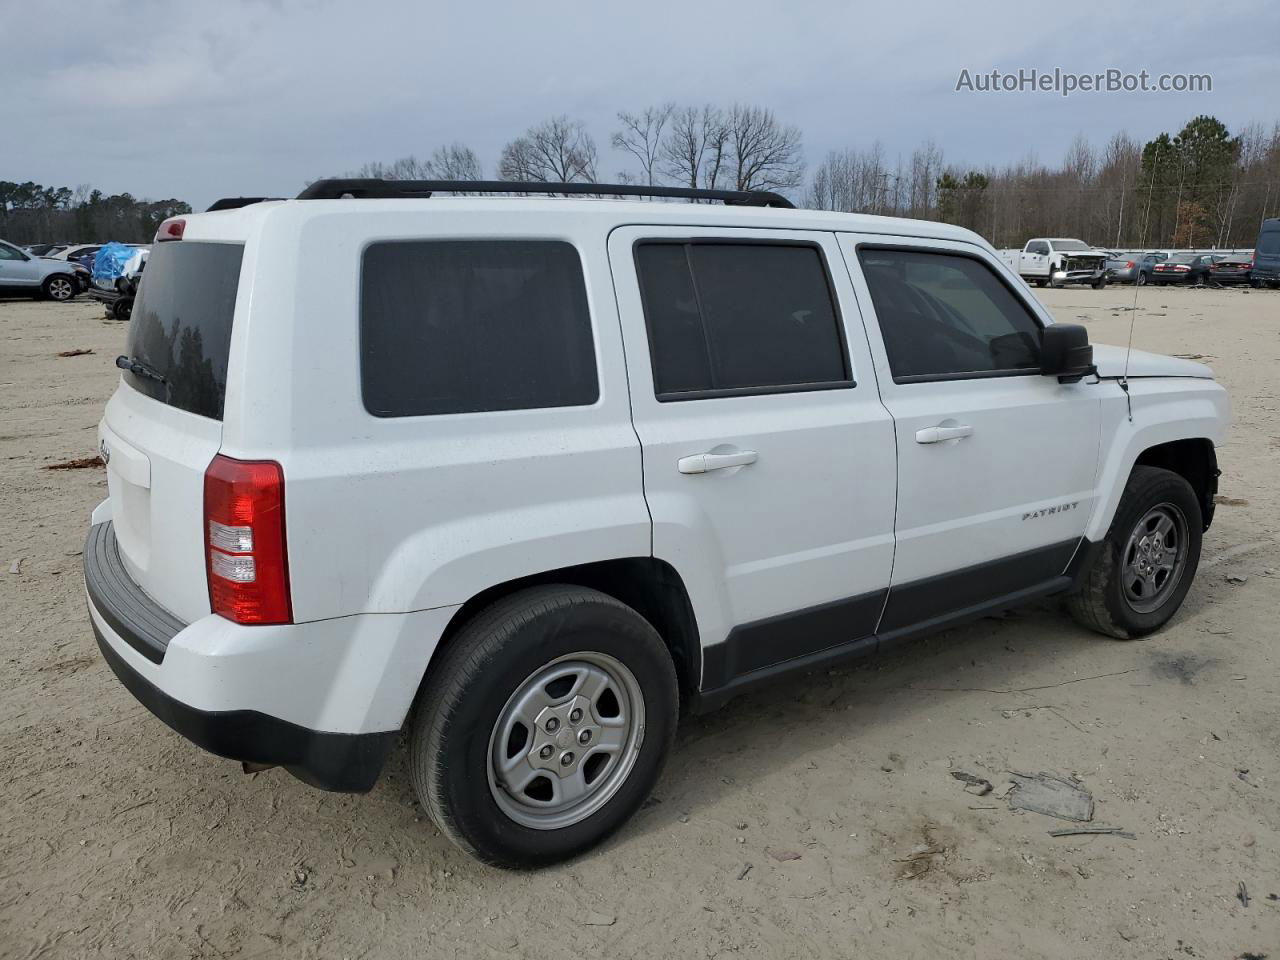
<point x="235" y="203"/>
<point x="363" y="189"/>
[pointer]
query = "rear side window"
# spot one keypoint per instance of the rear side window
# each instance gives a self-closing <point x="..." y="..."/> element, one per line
<point x="738" y="318"/>
<point x="947" y="316"/>
<point x="1269" y="242"/>
<point x="464" y="326"/>
<point x="181" y="324"/>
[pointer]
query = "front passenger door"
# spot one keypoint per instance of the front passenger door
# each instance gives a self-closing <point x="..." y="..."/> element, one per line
<point x="16" y="268"/>
<point x="996" y="463"/>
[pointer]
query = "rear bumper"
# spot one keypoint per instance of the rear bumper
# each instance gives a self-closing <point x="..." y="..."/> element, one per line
<point x="325" y="699"/>
<point x="344" y="762"/>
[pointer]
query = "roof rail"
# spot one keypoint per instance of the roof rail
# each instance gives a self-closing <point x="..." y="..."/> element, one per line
<point x="235" y="203"/>
<point x="365" y="188"/>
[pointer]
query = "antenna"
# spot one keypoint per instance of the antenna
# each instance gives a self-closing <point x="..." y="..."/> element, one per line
<point x="1133" y="314"/>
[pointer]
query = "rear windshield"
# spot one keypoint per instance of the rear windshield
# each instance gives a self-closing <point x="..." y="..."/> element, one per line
<point x="181" y="324"/>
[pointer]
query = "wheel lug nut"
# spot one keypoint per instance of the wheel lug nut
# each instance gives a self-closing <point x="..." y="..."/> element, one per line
<point x="545" y="752"/>
<point x="584" y="737"/>
<point x="553" y="725"/>
<point x="575" y="715"/>
<point x="566" y="759"/>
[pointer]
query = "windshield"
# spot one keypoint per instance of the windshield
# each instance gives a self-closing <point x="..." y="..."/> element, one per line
<point x="181" y="324"/>
<point x="1071" y="245"/>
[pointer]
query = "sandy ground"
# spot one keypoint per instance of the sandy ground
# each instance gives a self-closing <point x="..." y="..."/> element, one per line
<point x="119" y="839"/>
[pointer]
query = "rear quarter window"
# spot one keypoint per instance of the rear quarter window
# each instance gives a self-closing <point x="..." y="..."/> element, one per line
<point x="181" y="324"/>
<point x="469" y="326"/>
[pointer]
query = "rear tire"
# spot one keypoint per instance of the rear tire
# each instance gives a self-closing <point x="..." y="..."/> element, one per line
<point x="1099" y="283"/>
<point x="1124" y="593"/>
<point x="510" y="750"/>
<point x="1142" y="279"/>
<point x="122" y="309"/>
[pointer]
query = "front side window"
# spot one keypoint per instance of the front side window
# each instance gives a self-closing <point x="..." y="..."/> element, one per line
<point x="1041" y="248"/>
<point x="945" y="315"/>
<point x="465" y="326"/>
<point x="730" y="318"/>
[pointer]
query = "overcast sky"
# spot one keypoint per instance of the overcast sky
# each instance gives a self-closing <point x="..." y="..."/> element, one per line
<point x="243" y="97"/>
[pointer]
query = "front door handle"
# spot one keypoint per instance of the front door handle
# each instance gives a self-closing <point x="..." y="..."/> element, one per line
<point x="706" y="462"/>
<point x="940" y="433"/>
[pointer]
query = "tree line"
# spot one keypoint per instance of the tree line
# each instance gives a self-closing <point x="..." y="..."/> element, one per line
<point x="1200" y="187"/>
<point x="33" y="213"/>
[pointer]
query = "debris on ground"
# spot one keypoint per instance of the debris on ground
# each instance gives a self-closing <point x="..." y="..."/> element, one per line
<point x="1230" y="501"/>
<point x="594" y="919"/>
<point x="1243" y="894"/>
<point x="75" y="353"/>
<point x="16" y="566"/>
<point x="782" y="856"/>
<point x="83" y="463"/>
<point x="742" y="874"/>
<point x="1086" y="831"/>
<point x="1242" y="774"/>
<point x="1237" y="578"/>
<point x="1051" y="796"/>
<point x="978" y="786"/>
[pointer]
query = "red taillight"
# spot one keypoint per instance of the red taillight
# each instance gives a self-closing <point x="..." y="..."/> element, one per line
<point x="171" y="230"/>
<point x="246" y="559"/>
<point x="1129" y="265"/>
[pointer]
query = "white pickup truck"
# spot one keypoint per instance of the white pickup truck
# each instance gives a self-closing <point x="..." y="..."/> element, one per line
<point x="1057" y="261"/>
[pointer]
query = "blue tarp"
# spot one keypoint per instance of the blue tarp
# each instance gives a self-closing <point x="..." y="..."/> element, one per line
<point x="110" y="261"/>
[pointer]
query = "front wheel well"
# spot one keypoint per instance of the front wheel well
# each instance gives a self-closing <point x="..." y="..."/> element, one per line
<point x="1193" y="459"/>
<point x="650" y="586"/>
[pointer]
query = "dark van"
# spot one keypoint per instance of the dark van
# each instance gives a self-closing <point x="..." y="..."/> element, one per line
<point x="1266" y="254"/>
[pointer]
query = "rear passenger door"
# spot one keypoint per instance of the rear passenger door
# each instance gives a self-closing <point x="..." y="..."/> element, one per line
<point x="768" y="457"/>
<point x="996" y="463"/>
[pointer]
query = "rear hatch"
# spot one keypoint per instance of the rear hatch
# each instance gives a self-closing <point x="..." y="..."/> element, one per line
<point x="164" y="423"/>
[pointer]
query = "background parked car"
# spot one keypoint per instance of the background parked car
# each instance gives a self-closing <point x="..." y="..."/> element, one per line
<point x="1133" y="267"/>
<point x="81" y="253"/>
<point x="1234" y="268"/>
<point x="36" y="276"/>
<point x="1188" y="268"/>
<point x="45" y="249"/>
<point x="1266" y="256"/>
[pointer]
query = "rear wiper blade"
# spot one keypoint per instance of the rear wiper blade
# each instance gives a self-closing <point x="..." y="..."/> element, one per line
<point x="139" y="367"/>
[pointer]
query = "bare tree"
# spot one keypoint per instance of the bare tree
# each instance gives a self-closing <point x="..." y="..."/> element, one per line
<point x="764" y="154"/>
<point x="693" y="151"/>
<point x="454" y="162"/>
<point x="558" y="150"/>
<point x="641" y="136"/>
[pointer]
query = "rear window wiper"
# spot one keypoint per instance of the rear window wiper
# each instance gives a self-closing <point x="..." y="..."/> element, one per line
<point x="139" y="367"/>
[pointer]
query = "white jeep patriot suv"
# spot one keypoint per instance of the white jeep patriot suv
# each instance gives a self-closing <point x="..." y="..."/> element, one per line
<point x="522" y="474"/>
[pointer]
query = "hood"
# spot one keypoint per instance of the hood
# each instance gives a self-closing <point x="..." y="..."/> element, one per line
<point x="1110" y="362"/>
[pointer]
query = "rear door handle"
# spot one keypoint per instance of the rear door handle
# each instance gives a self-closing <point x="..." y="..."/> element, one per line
<point x="938" y="434"/>
<point x="706" y="462"/>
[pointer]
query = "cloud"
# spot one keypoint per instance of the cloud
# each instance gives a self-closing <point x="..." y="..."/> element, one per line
<point x="244" y="96"/>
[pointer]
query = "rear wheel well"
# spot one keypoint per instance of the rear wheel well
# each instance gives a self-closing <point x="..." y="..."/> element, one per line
<point x="649" y="586"/>
<point x="1194" y="460"/>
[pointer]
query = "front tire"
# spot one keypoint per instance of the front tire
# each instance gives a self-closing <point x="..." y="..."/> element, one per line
<point x="1145" y="566"/>
<point x="59" y="288"/>
<point x="1142" y="280"/>
<point x="544" y="726"/>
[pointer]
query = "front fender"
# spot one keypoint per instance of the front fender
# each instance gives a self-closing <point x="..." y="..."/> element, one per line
<point x="1164" y="410"/>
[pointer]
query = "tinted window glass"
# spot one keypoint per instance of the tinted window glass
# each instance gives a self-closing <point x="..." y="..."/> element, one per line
<point x="739" y="317"/>
<point x="181" y="323"/>
<point x="942" y="314"/>
<point x="474" y="325"/>
<point x="1269" y="243"/>
<point x="9" y="253"/>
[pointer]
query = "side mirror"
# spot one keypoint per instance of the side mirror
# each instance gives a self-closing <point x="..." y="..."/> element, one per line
<point x="1065" y="352"/>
